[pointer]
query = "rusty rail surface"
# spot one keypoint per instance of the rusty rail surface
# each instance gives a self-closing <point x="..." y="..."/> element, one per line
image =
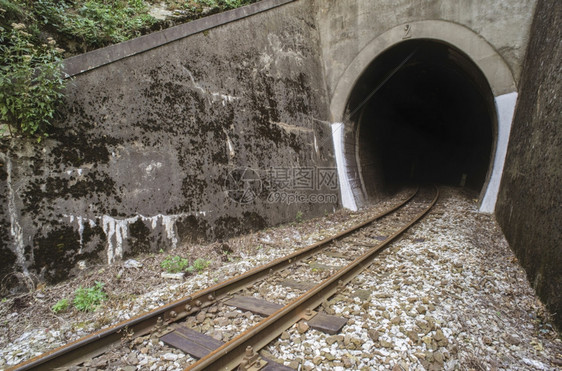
<point x="100" y="341"/>
<point x="242" y="348"/>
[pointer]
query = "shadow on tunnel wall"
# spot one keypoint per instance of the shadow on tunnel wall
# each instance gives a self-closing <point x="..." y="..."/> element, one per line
<point x="422" y="112"/>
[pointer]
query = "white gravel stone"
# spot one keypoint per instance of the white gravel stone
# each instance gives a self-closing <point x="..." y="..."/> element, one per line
<point x="455" y="276"/>
<point x="170" y="357"/>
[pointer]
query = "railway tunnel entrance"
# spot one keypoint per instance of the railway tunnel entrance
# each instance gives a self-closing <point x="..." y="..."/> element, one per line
<point x="422" y="111"/>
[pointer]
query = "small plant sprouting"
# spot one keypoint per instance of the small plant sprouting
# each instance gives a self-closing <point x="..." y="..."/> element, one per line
<point x="87" y="300"/>
<point x="299" y="216"/>
<point x="177" y="264"/>
<point x="174" y="264"/>
<point x="60" y="306"/>
<point x="199" y="265"/>
<point x="227" y="256"/>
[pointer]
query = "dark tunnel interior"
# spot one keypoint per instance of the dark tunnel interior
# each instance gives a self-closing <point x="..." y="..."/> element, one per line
<point x="423" y="112"/>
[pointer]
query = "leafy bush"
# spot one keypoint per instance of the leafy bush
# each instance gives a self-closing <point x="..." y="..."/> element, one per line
<point x="13" y="9"/>
<point x="299" y="216"/>
<point x="89" y="299"/>
<point x="83" y="25"/>
<point x="96" y="23"/>
<point x="60" y="306"/>
<point x="174" y="264"/>
<point x="31" y="82"/>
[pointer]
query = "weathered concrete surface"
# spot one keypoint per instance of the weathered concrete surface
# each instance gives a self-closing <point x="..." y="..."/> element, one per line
<point x="347" y="26"/>
<point x="141" y="160"/>
<point x="529" y="207"/>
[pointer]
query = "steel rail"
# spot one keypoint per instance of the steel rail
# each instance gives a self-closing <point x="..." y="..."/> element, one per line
<point x="100" y="341"/>
<point x="231" y="354"/>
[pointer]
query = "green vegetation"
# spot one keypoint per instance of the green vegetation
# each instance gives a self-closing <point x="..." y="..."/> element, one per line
<point x="31" y="82"/>
<point x="227" y="256"/>
<point x="60" y="306"/>
<point x="89" y="299"/>
<point x="299" y="216"/>
<point x="36" y="34"/>
<point x="174" y="264"/>
<point x="83" y="25"/>
<point x="211" y="5"/>
<point x="95" y="23"/>
<point x="199" y="265"/>
<point x="79" y="25"/>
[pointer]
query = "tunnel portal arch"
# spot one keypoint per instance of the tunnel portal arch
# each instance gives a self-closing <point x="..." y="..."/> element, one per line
<point x="489" y="85"/>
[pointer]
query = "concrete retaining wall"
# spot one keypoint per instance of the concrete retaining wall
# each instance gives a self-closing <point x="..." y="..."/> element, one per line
<point x="529" y="207"/>
<point x="150" y="151"/>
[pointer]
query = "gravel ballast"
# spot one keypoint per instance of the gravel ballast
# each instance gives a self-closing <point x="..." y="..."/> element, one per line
<point x="448" y="295"/>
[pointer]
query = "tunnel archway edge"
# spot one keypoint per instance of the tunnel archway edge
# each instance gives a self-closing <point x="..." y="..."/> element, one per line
<point x="492" y="65"/>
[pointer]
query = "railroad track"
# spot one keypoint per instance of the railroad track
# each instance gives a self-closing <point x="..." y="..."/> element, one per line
<point x="321" y="263"/>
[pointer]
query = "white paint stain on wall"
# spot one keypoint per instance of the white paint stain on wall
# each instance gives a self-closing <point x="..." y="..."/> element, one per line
<point x="153" y="166"/>
<point x="230" y="146"/>
<point x="316" y="145"/>
<point x="81" y="221"/>
<point x="15" y="227"/>
<point x="78" y="171"/>
<point x="117" y="230"/>
<point x="505" y="106"/>
<point x="215" y="96"/>
<point x="347" y="199"/>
